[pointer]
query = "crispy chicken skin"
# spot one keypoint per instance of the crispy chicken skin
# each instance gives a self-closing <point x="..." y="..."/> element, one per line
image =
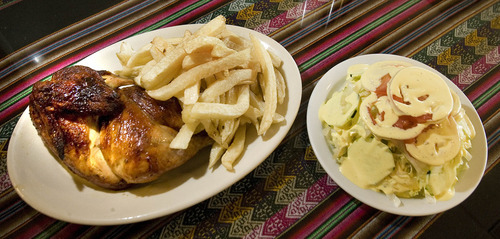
<point x="135" y="143"/>
<point x="65" y="111"/>
<point x="107" y="133"/>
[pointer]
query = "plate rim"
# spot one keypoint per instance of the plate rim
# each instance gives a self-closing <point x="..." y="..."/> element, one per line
<point x="324" y="88"/>
<point x="292" y="108"/>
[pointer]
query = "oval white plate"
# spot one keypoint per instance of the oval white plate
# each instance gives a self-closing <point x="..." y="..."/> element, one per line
<point x="48" y="187"/>
<point x="334" y="80"/>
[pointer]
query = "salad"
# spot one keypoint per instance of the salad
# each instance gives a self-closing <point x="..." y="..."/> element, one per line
<point x="398" y="129"/>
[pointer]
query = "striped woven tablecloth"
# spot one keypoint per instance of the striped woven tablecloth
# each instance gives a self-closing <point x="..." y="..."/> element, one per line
<point x="289" y="194"/>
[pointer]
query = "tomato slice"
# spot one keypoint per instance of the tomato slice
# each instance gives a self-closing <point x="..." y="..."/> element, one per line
<point x="382" y="88"/>
<point x="406" y="121"/>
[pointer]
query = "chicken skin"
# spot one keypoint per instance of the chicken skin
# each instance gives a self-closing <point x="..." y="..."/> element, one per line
<point x="106" y="130"/>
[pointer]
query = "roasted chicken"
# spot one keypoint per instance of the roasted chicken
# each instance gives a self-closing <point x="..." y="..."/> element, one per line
<point x="107" y="130"/>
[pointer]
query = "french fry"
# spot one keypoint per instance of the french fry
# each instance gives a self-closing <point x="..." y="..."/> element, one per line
<point x="252" y="115"/>
<point x="202" y="110"/>
<point x="278" y="118"/>
<point x="141" y="70"/>
<point x="232" y="95"/>
<point x="156" y="53"/>
<point x="165" y="70"/>
<point x="141" y="57"/>
<point x="199" y="72"/>
<point x="221" y="50"/>
<point x="187" y="116"/>
<point x="234" y="41"/>
<point x="195" y="59"/>
<point x="181" y="140"/>
<point x="269" y="81"/>
<point x="220" y="87"/>
<point x="202" y="43"/>
<point x="212" y="130"/>
<point x="127" y="72"/>
<point x="210" y="80"/>
<point x="212" y="28"/>
<point x="257" y="101"/>
<point x="276" y="60"/>
<point x="187" y="36"/>
<point x="280" y="86"/>
<point x="235" y="149"/>
<point x="223" y="81"/>
<point x="215" y="154"/>
<point x="125" y="53"/>
<point x="170" y="41"/>
<point x="227" y="129"/>
<point x="165" y="45"/>
<point x="191" y="94"/>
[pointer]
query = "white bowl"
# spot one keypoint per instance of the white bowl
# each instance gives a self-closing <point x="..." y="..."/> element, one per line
<point x="334" y="80"/>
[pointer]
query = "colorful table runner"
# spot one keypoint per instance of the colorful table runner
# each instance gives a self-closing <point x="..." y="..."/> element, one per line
<point x="289" y="195"/>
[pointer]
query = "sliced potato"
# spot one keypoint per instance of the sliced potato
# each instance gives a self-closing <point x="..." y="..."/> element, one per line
<point x="269" y="82"/>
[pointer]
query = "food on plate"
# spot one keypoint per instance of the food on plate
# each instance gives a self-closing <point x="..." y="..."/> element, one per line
<point x="172" y="97"/>
<point x="398" y="129"/>
<point x="107" y="130"/>
<point x="223" y="82"/>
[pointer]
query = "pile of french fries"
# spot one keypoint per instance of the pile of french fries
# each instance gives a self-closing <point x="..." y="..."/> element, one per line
<point x="223" y="81"/>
